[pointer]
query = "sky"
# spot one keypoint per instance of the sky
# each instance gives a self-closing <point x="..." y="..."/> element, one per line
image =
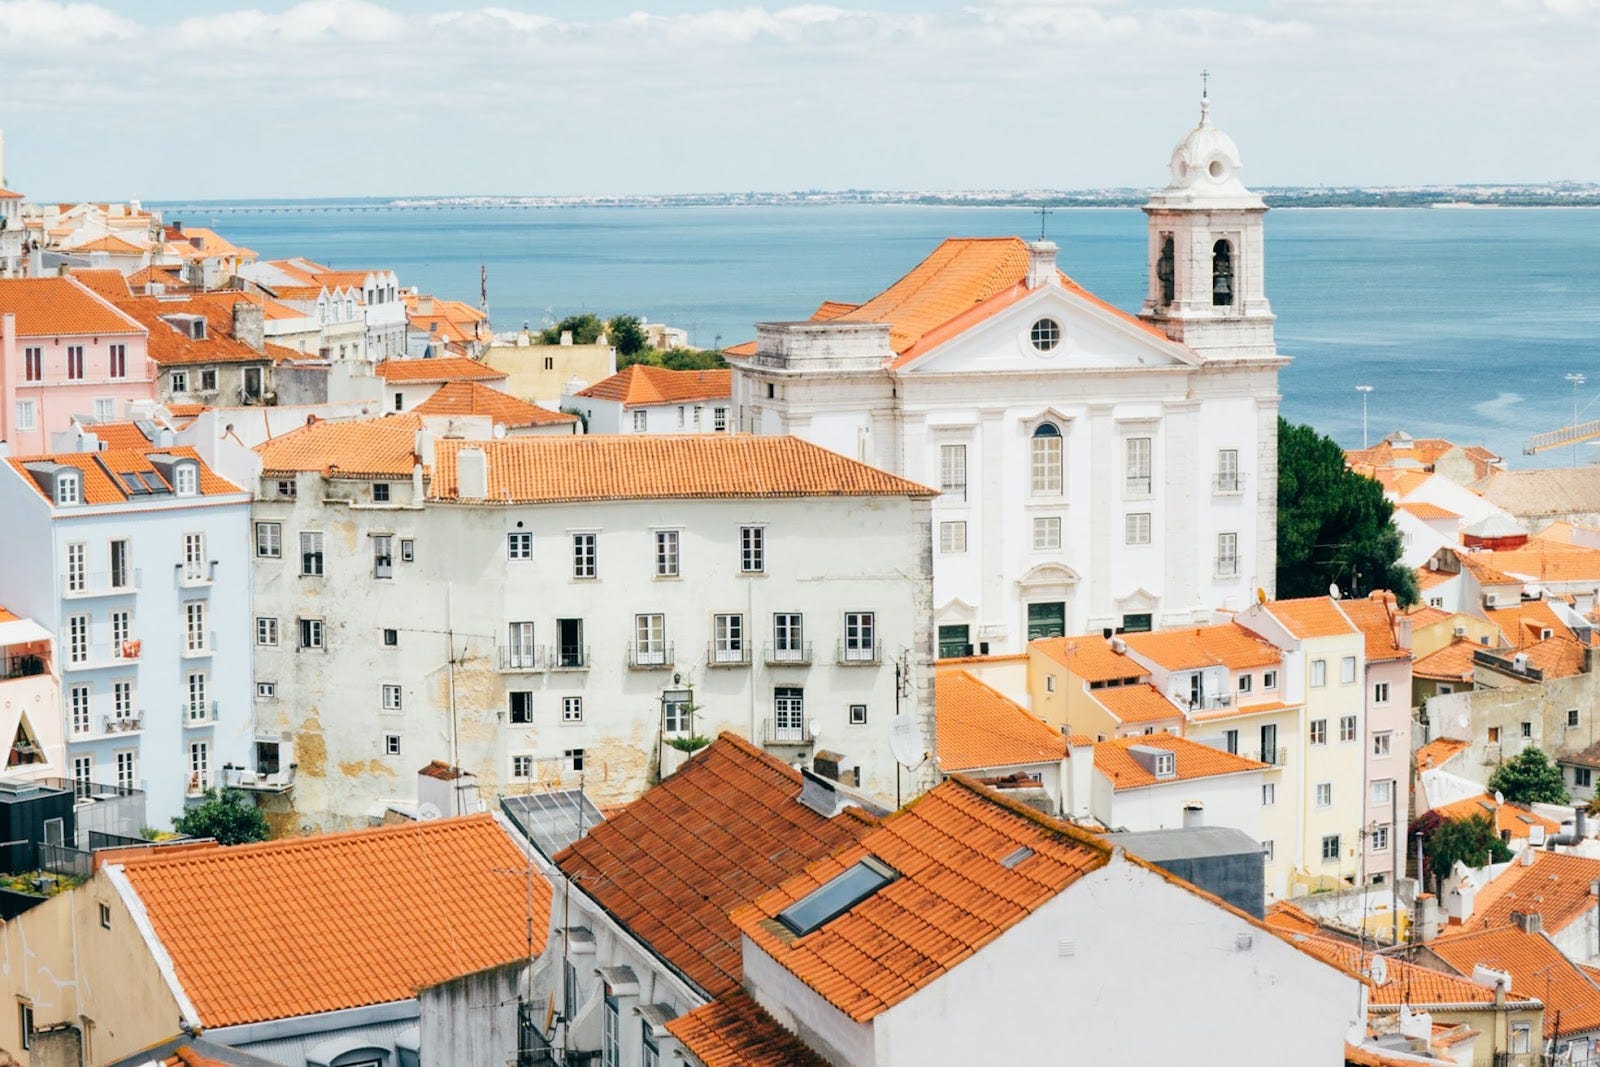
<point x="167" y="100"/>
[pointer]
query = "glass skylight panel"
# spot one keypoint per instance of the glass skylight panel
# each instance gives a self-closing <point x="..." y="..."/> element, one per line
<point x="839" y="895"/>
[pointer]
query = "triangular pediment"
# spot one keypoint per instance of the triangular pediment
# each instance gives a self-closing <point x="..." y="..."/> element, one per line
<point x="1092" y="337"/>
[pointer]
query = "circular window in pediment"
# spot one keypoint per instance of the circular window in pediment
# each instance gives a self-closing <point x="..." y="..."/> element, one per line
<point x="1045" y="335"/>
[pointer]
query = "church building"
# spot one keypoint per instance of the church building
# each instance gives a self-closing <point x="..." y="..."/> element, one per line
<point x="1096" y="469"/>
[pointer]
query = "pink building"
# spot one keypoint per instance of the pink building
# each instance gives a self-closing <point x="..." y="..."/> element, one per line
<point x="65" y="351"/>
<point x="1388" y="744"/>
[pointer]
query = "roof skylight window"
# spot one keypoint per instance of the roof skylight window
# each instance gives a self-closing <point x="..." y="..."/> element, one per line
<point x="837" y="896"/>
<point x="1021" y="853"/>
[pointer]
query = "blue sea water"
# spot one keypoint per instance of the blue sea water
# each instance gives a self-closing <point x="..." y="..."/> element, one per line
<point x="1463" y="321"/>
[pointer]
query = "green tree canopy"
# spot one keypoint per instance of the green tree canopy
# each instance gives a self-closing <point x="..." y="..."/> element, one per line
<point x="586" y="329"/>
<point x="676" y="359"/>
<point x="1530" y="778"/>
<point x="1333" y="524"/>
<point x="229" y="816"/>
<point x="1472" y="841"/>
<point x="626" y="332"/>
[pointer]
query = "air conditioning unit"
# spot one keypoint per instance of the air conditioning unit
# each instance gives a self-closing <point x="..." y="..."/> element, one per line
<point x="1460" y="631"/>
<point x="1488" y="600"/>
<point x="1119" y="646"/>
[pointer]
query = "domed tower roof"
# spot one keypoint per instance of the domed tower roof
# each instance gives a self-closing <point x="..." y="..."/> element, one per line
<point x="1205" y="169"/>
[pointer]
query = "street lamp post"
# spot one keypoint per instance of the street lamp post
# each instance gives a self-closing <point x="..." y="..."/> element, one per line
<point x="1576" y="380"/>
<point x="1363" y="390"/>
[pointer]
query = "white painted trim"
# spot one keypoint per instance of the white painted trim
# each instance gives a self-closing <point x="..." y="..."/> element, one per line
<point x="158" y="952"/>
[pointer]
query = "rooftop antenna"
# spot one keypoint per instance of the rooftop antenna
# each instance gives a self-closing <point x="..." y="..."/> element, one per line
<point x="1043" y="212"/>
<point x="1205" y="96"/>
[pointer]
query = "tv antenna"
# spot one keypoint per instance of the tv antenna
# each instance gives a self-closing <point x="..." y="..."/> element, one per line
<point x="1044" y="212"/>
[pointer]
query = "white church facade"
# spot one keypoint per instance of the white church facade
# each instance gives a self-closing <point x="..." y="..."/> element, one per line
<point x="1098" y="470"/>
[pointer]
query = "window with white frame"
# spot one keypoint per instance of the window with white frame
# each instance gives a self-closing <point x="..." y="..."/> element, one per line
<point x="666" y="553"/>
<point x="788" y="710"/>
<point x="269" y="540"/>
<point x="650" y="638"/>
<point x="1319" y="731"/>
<point x="1045" y="460"/>
<point x="105" y="409"/>
<point x="521" y="766"/>
<point x="1228" y="470"/>
<point x="1382" y="793"/>
<point x="860" y="636"/>
<point x="122" y="635"/>
<point x="1330" y="848"/>
<point x="649" y="1053"/>
<point x="77" y="639"/>
<point x="1324" y="794"/>
<point x="520" y="707"/>
<point x="194" y="557"/>
<point x="858" y="715"/>
<point x="1382" y="743"/>
<point x="952" y="537"/>
<point x="787" y="633"/>
<point x="1136" y="528"/>
<point x="194" y="626"/>
<point x="953" y="471"/>
<point x="288" y="487"/>
<point x="266" y="690"/>
<point x="521" y="650"/>
<point x="611" y="1034"/>
<point x="1046" y="533"/>
<point x="1319" y="673"/>
<point x="311" y="554"/>
<point x="719" y="419"/>
<point x="266" y="630"/>
<point x="1267" y="849"/>
<point x="1380" y="693"/>
<point x="77" y="568"/>
<point x="82" y="716"/>
<point x="119" y="361"/>
<point x="1269" y="794"/>
<point x="311" y="634"/>
<point x="640" y="420"/>
<point x="82" y="775"/>
<point x="571" y="709"/>
<point x="519" y="545"/>
<point x="391" y="697"/>
<point x="69" y="489"/>
<point x="391" y="744"/>
<point x="1347" y="670"/>
<point x="1137" y="451"/>
<point x="1246" y="682"/>
<point x="27" y="416"/>
<point x="127" y="770"/>
<point x="199" y="766"/>
<point x="585" y="555"/>
<point x="752" y="549"/>
<point x="573" y="758"/>
<point x="1380" y="838"/>
<point x="179" y="380"/>
<point x="727" y="639"/>
<point x="1227" y="554"/>
<point x="1521" y="1038"/>
<point x="197" y="709"/>
<point x="186" y="479"/>
<point x="1347" y="727"/>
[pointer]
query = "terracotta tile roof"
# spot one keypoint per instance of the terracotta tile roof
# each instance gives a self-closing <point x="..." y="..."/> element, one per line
<point x="169" y="345"/>
<point x="1427" y="579"/>
<point x="1437" y="753"/>
<point x="724" y="829"/>
<point x="6" y="615"/>
<point x="1559" y="657"/>
<point x="742" y="350"/>
<point x="1136" y="703"/>
<point x="1452" y="663"/>
<point x="1089" y="657"/>
<point x="121" y="435"/>
<point x="1237" y="710"/>
<point x="212" y="244"/>
<point x="61" y="307"/>
<point x="372" y="915"/>
<point x="1405" y="982"/>
<point x="1538" y="972"/>
<point x="661" y="467"/>
<point x="1191" y="760"/>
<point x="1589" y="757"/>
<point x="99" y="485"/>
<point x="452" y="320"/>
<point x="7" y="194"/>
<point x="475" y="398"/>
<point x="1375" y="616"/>
<point x="1289" y="918"/>
<point x="1226" y="644"/>
<point x="1527" y="623"/>
<point x="980" y="728"/>
<point x="166" y="276"/>
<point x="734" y="1031"/>
<point x="953" y="895"/>
<point x="1318" y="616"/>
<point x="640" y="385"/>
<point x="831" y="309"/>
<point x="1507" y="818"/>
<point x="1425" y="614"/>
<point x="108" y="283"/>
<point x="1555" y="887"/>
<point x="443" y="369"/>
<point x="1426" y="511"/>
<point x="357" y="448"/>
<point x="108" y="243"/>
<point x="1547" y="561"/>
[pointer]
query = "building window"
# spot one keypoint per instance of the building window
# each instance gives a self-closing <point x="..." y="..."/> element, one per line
<point x="194" y="557"/>
<point x="194" y="631"/>
<point x="752" y="549"/>
<point x="1228" y="470"/>
<point x="1324" y="794"/>
<point x="1269" y="679"/>
<point x="584" y="555"/>
<point x="1267" y="849"/>
<point x="122" y="700"/>
<point x="75" y="363"/>
<point x="1046" y="533"/>
<point x="955" y="641"/>
<point x="858" y="715"/>
<point x="399" y="398"/>
<point x="288" y="487"/>
<point x="650" y="639"/>
<point x="727" y="634"/>
<point x="1572" y="718"/>
<point x="611" y="1043"/>
<point x="1319" y="673"/>
<point x="1380" y="838"/>
<point x="1269" y="794"/>
<point x="33" y="364"/>
<point x="391" y="697"/>
<point x="408" y="550"/>
<point x="105" y="916"/>
<point x="571" y="709"/>
<point x="28" y="420"/>
<point x="953" y="471"/>
<point x="1136" y="528"/>
<point x="719" y="419"/>
<point x="1582" y="777"/>
<point x="860" y="640"/>
<point x="649" y="1055"/>
<point x="521" y="707"/>
<point x="1382" y="743"/>
<point x="269" y="540"/>
<point x="1347" y="670"/>
<point x="787" y="646"/>
<point x="391" y="744"/>
<point x="681" y="421"/>
<point x="127" y="770"/>
<point x="1227" y="554"/>
<point x="1521" y="1038"/>
<point x="105" y="409"/>
<point x="266" y="690"/>
<point x="380" y="492"/>
<point x="78" y="704"/>
<point x="788" y="713"/>
<point x="1527" y="729"/>
<point x="391" y="637"/>
<point x="519" y="545"/>
<point x="266" y="630"/>
<point x="1494" y="735"/>
<point x="187" y="479"/>
<point x="1347" y="728"/>
<point x="25" y="1024"/>
<point x="1046" y="460"/>
<point x="311" y="634"/>
<point x="179" y="381"/>
<point x="1380" y="693"/>
<point x="1139" y="622"/>
<point x="952" y="537"/>
<point x="77" y="638"/>
<point x="1319" y="731"/>
<point x="1246" y="681"/>
<point x="1330" y="848"/>
<point x="521" y="766"/>
<point x="1222" y="274"/>
<point x="1383" y="793"/>
<point x="77" y="567"/>
<point x="199" y="766"/>
<point x="311" y="554"/>
<point x="574" y="758"/>
<point x="1045" y="335"/>
<point x="208" y="380"/>
<point x="666" y="553"/>
<point x="1049" y="683"/>
<point x="640" y="421"/>
<point x="1137" y="455"/>
<point x="122" y="646"/>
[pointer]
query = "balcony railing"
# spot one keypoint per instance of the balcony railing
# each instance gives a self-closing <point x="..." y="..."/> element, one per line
<point x="201" y="714"/>
<point x="101" y="583"/>
<point x="857" y="656"/>
<point x="25" y="665"/>
<point x="571" y="658"/>
<point x="791" y="655"/>
<point x="1138" y="486"/>
<point x="1227" y="566"/>
<point x="126" y="723"/>
<point x="522" y="657"/>
<point x="1228" y="483"/>
<point x="199" y="782"/>
<point x="775" y="733"/>
<point x="1210" y="701"/>
<point x="192" y="651"/>
<point x="259" y="781"/>
<point x="650" y="657"/>
<point x="1272" y="757"/>
<point x="100" y="657"/>
<point x="191" y="575"/>
<point x="727" y="657"/>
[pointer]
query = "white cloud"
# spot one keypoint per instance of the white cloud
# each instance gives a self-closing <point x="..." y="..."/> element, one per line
<point x="28" y="23"/>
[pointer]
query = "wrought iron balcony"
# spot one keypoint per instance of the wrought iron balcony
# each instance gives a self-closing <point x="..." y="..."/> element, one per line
<point x="522" y="657"/>
<point x="124" y="582"/>
<point x="655" y="656"/>
<point x="789" y="655"/>
<point x="773" y="733"/>
<point x="858" y="656"/>
<point x="727" y="657"/>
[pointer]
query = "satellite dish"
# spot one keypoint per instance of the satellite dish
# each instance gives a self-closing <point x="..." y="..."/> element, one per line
<point x="906" y="741"/>
<point x="1333" y="590"/>
<point x="427" y="812"/>
<point x="499" y="430"/>
<point x="1499" y="798"/>
<point x="1261" y="595"/>
<point x="1380" y="970"/>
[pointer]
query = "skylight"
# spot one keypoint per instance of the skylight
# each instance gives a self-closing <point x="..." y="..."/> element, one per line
<point x="1021" y="853"/>
<point x="831" y="900"/>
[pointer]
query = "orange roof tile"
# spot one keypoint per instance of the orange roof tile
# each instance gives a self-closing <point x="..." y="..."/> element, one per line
<point x="1317" y="616"/>
<point x="355" y="449"/>
<point x="531" y="470"/>
<point x="1375" y="616"/>
<point x="1405" y="982"/>
<point x="1484" y="566"/>
<point x="1191" y="760"/>
<point x="6" y="615"/>
<point x="475" y="398"/>
<point x="640" y="385"/>
<point x="375" y="915"/>
<point x="1452" y="663"/>
<point x="167" y="276"/>
<point x="725" y="828"/>
<point x="1527" y="623"/>
<point x="109" y="244"/>
<point x="1426" y="511"/>
<point x="1089" y="657"/>
<point x="443" y="369"/>
<point x="979" y="728"/>
<point x="954" y="894"/>
<point x="103" y="471"/>
<point x="1507" y="818"/>
<point x="1559" y="657"/>
<point x="7" y="194"/>
<point x="1136" y="703"/>
<point x="1555" y="887"/>
<point x="742" y="350"/>
<point x="122" y="435"/>
<point x="211" y="244"/>
<point x="1437" y="753"/>
<point x="831" y="309"/>
<point x="734" y="1031"/>
<point x="108" y="283"/>
<point x="1427" y="579"/>
<point x="1538" y="972"/>
<point x="169" y="345"/>
<point x="1287" y="917"/>
<point x="61" y="307"/>
<point x="1226" y="644"/>
<point x="1425" y="614"/>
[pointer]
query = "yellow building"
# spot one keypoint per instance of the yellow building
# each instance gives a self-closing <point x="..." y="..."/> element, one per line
<point x="540" y="374"/>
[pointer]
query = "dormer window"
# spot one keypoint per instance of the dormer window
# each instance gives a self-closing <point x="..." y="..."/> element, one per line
<point x="69" y="490"/>
<point x="1165" y="273"/>
<point x="186" y="479"/>
<point x="1222" y="274"/>
<point x="1166" y="765"/>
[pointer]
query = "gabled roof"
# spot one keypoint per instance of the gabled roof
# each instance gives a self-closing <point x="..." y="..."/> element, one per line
<point x="7" y="194"/>
<point x="1438" y="752"/>
<point x="61" y="307"/>
<point x="305" y="925"/>
<point x="1507" y="818"/>
<point x="111" y="245"/>
<point x="725" y="828"/>
<point x="475" y="398"/>
<point x="121" y="435"/>
<point x="530" y="470"/>
<point x="1089" y="657"/>
<point x="1289" y="918"/>
<point x="105" y="474"/>
<point x="171" y="346"/>
<point x="1404" y="982"/>
<point x="734" y="1031"/>
<point x="970" y="865"/>
<point x="442" y="369"/>
<point x="1555" y="886"/>
<point x="1317" y="616"/>
<point x="640" y="385"/>
<point x="1527" y="623"/>
<point x="353" y="449"/>
<point x="108" y="283"/>
<point x="1226" y="644"/>
<point x="1375" y="616"/>
<point x="1452" y="663"/>
<point x="979" y="728"/>
<point x="1191" y="760"/>
<point x="1544" y="561"/>
<point x="1426" y="511"/>
<point x="1136" y="703"/>
<point x="1538" y="972"/>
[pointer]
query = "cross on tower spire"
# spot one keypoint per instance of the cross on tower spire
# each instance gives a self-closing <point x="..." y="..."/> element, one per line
<point x="1205" y="96"/>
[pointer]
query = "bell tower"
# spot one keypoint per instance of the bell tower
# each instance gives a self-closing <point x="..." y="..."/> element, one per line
<point x="1207" y="267"/>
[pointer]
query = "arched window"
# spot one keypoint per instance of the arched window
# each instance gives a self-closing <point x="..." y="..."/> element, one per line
<point x="1046" y="460"/>
<point x="1222" y="274"/>
<point x="1164" y="272"/>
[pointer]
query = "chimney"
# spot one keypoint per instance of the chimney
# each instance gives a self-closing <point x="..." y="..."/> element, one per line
<point x="1041" y="264"/>
<point x="424" y="305"/>
<point x="819" y="794"/>
<point x="1194" y="816"/>
<point x="422" y="447"/>
<point x="566" y="337"/>
<point x="1080" y="781"/>
<point x="1402" y="632"/>
<point x="1427" y="917"/>
<point x="1528" y="922"/>
<point x="249" y="324"/>
<point x="472" y="474"/>
<point x="1580" y="821"/>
